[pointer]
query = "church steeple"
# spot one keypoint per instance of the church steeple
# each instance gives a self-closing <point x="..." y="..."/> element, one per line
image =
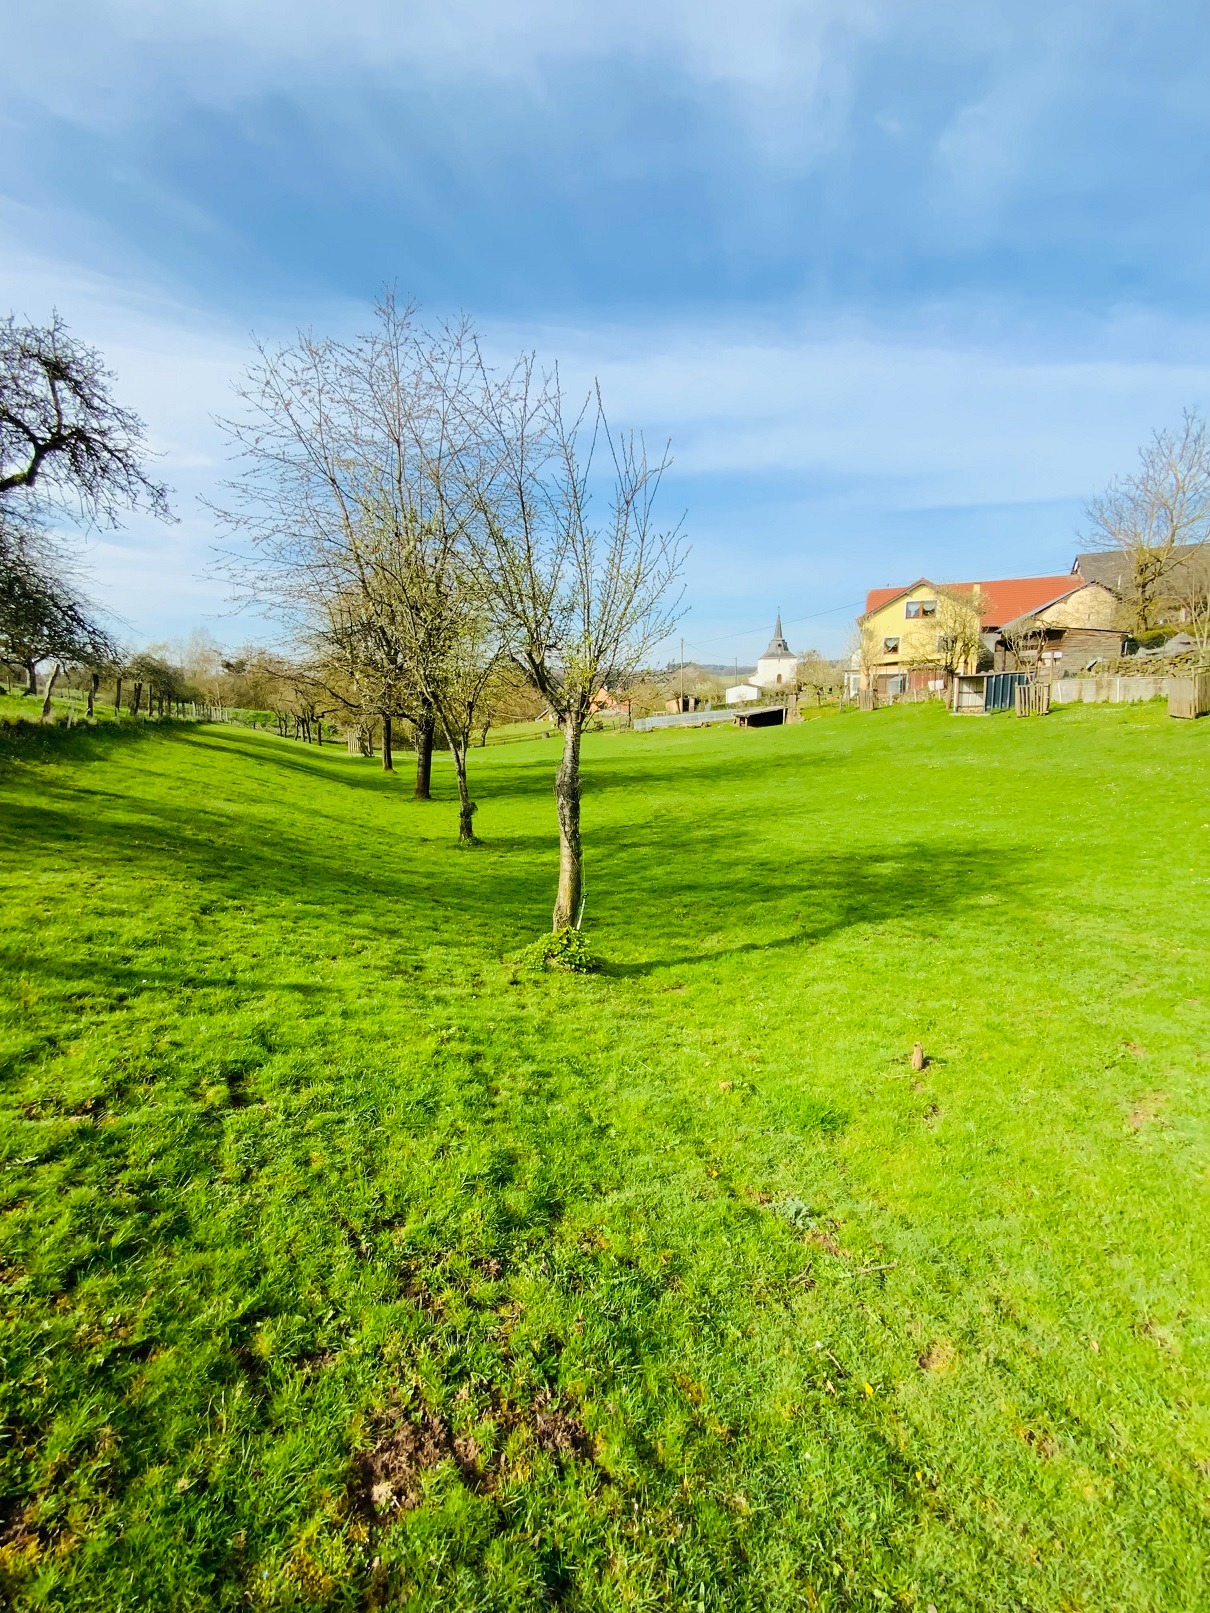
<point x="777" y="644"/>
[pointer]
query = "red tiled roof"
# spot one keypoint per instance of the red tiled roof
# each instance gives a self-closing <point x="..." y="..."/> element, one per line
<point x="1004" y="599"/>
<point x="883" y="596"/>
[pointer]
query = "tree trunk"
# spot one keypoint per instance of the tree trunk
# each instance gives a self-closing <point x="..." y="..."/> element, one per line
<point x="388" y="761"/>
<point x="424" y="757"/>
<point x="31" y="677"/>
<point x="50" y="689"/>
<point x="137" y="701"/>
<point x="93" y="686"/>
<point x="567" y="802"/>
<point x="466" y="807"/>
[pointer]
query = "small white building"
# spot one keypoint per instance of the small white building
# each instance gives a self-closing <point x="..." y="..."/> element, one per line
<point x="739" y="694"/>
<point x="778" y="666"/>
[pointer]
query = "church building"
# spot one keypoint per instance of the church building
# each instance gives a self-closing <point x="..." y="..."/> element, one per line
<point x="778" y="666"/>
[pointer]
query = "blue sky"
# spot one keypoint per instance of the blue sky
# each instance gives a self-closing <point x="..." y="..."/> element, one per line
<point x="904" y="283"/>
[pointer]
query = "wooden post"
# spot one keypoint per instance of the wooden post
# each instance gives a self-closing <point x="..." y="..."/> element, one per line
<point x="1033" y="699"/>
<point x="1189" y="697"/>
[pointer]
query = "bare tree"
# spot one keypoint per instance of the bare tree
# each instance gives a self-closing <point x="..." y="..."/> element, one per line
<point x="952" y="642"/>
<point x="360" y="462"/>
<point x="819" y="677"/>
<point x="440" y="616"/>
<point x="1159" y="518"/>
<point x="1193" y="594"/>
<point x="578" y="604"/>
<point x="43" y="616"/>
<point x="1026" y="639"/>
<point x="345" y="450"/>
<point x="63" y="439"/>
<point x="64" y="444"/>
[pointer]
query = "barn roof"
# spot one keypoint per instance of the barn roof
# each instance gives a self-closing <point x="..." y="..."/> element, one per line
<point x="1112" y="569"/>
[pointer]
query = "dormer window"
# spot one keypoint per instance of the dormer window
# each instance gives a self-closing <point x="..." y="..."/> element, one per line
<point x="920" y="607"/>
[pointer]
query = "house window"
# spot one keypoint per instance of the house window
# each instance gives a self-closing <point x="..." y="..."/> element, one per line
<point x="890" y="646"/>
<point x="920" y="607"/>
<point x="945" y="643"/>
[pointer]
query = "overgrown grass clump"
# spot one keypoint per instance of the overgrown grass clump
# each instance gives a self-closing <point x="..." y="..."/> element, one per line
<point x="343" y="1265"/>
<point x="567" y="949"/>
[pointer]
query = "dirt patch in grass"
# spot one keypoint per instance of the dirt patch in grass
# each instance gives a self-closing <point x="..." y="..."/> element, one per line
<point x="1146" y="1109"/>
<point x="1044" y="1444"/>
<point x="939" y="1357"/>
<point x="389" y="1472"/>
<point x="388" y="1477"/>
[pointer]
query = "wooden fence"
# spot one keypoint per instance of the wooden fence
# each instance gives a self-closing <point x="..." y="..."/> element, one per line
<point x="1033" y="699"/>
<point x="1189" y="697"/>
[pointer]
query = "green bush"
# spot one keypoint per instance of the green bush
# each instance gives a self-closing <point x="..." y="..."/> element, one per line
<point x="563" y="949"/>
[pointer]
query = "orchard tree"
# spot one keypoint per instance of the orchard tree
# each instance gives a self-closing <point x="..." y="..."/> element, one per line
<point x="1158" y="519"/>
<point x="350" y="508"/>
<point x="66" y="445"/>
<point x="63" y="439"/>
<point x="42" y="616"/>
<point x="579" y="601"/>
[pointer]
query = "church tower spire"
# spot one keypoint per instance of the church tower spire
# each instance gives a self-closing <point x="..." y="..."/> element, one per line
<point x="777" y="644"/>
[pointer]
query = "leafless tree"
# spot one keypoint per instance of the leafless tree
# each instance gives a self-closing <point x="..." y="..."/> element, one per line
<point x="819" y="677"/>
<point x="1026" y="640"/>
<point x="63" y="439"/>
<point x="64" y="444"/>
<point x="953" y="642"/>
<point x="41" y="616"/>
<point x="1193" y="595"/>
<point x="1155" y="517"/>
<point x="578" y="602"/>
<point x="351" y="504"/>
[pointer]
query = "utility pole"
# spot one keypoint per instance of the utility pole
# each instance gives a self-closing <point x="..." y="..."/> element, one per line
<point x="682" y="674"/>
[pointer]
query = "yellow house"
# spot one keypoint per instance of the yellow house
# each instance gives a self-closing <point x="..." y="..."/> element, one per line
<point x="914" y="639"/>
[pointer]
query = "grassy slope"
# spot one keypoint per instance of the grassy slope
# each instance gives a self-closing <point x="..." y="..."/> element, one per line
<point x="294" y="1164"/>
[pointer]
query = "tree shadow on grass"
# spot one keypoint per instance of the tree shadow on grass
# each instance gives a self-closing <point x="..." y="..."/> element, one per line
<point x="35" y="742"/>
<point x="328" y="764"/>
<point x="507" y="776"/>
<point x="714" y="882"/>
<point x="918" y="883"/>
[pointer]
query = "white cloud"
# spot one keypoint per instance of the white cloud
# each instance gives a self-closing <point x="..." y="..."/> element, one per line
<point x="795" y="425"/>
<point x="923" y="422"/>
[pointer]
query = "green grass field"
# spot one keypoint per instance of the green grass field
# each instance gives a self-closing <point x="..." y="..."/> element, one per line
<point x="346" y="1264"/>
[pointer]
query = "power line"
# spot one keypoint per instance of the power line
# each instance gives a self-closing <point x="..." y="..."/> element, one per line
<point x="797" y="621"/>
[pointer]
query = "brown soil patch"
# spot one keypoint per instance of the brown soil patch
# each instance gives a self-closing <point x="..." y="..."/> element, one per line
<point x="939" y="1357"/>
<point x="1045" y="1445"/>
<point x="828" y="1244"/>
<point x="387" y="1477"/>
<point x="1147" y="1108"/>
<point x="390" y="1471"/>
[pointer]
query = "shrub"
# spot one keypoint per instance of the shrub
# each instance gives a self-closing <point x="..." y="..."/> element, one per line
<point x="563" y="949"/>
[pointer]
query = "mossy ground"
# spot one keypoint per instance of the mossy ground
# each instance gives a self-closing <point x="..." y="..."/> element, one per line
<point x="345" y="1264"/>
